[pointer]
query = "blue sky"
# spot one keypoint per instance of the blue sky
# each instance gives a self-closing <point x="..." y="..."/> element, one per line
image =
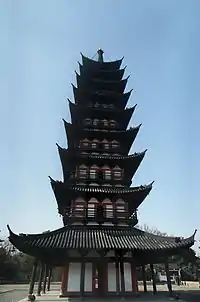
<point x="41" y="43"/>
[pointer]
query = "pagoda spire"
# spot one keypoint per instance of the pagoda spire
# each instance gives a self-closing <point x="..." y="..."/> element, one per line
<point x="100" y="55"/>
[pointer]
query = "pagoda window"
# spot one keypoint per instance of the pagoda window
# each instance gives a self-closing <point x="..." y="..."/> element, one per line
<point x="108" y="206"/>
<point x="106" y="144"/>
<point x="87" y="121"/>
<point x="82" y="172"/>
<point x="105" y="123"/>
<point x="96" y="105"/>
<point x="79" y="207"/>
<point x="117" y="173"/>
<point x="107" y="173"/>
<point x="93" y="172"/>
<point x="94" y="144"/>
<point x="115" y="144"/>
<point x="112" y="124"/>
<point x="120" y="208"/>
<point x="91" y="207"/>
<point x="95" y="122"/>
<point x="85" y="143"/>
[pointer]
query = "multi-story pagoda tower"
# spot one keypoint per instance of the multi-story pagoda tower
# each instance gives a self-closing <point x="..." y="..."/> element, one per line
<point x="99" y="248"/>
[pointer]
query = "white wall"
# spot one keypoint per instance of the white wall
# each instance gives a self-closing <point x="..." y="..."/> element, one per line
<point x="88" y="277"/>
<point x="112" y="277"/>
<point x="128" y="277"/>
<point x="74" y="277"/>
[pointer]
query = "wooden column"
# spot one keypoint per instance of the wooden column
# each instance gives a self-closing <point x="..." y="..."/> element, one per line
<point x="144" y="278"/>
<point x="153" y="279"/>
<point x="134" y="278"/>
<point x="45" y="279"/>
<point x="82" y="279"/>
<point x="117" y="276"/>
<point x="49" y="279"/>
<point x="122" y="277"/>
<point x="169" y="284"/>
<point x="40" y="280"/>
<point x="32" y="281"/>
<point x="64" y="280"/>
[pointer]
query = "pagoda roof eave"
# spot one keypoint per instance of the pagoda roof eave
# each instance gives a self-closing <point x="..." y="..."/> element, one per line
<point x="102" y="189"/>
<point x="77" y="110"/>
<point x="80" y="94"/>
<point x="127" y="137"/>
<point x="94" y="84"/>
<point x="104" y="237"/>
<point x="105" y="65"/>
<point x="67" y="152"/>
<point x="104" y="73"/>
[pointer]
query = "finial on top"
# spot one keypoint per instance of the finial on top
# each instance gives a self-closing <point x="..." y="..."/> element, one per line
<point x="100" y="55"/>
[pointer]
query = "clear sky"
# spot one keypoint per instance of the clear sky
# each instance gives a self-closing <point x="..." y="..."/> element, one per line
<point x="41" y="43"/>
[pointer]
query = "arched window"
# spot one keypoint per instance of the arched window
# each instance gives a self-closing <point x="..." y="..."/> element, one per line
<point x="108" y="206"/>
<point x="107" y="173"/>
<point x="105" y="144"/>
<point x="114" y="144"/>
<point x="85" y="143"/>
<point x="96" y="105"/>
<point x="91" y="207"/>
<point x="105" y="123"/>
<point x="116" y="154"/>
<point x="112" y="124"/>
<point x="82" y="172"/>
<point x="120" y="208"/>
<point x="95" y="121"/>
<point x="84" y="153"/>
<point x="117" y="173"/>
<point x="87" y="121"/>
<point x="105" y="106"/>
<point x="93" y="172"/>
<point x="79" y="207"/>
<point x="95" y="143"/>
<point x="94" y="184"/>
<point x="105" y="154"/>
<point x="111" y="106"/>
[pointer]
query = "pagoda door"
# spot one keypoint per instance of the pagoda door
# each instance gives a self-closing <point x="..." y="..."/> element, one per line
<point x="100" y="279"/>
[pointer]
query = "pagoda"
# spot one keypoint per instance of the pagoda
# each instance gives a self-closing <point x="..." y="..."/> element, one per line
<point x="99" y="247"/>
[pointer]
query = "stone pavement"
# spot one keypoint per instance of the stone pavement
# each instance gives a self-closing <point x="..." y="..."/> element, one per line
<point x="54" y="297"/>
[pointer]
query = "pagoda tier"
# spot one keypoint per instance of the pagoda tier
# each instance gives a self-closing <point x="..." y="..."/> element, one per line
<point x="96" y="84"/>
<point x="103" y="74"/>
<point x="76" y="136"/>
<point x="73" y="241"/>
<point x="101" y="98"/>
<point x="82" y="115"/>
<point x="91" y="64"/>
<point x="126" y="165"/>
<point x="129" y="198"/>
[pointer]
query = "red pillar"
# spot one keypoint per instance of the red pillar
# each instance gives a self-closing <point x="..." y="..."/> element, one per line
<point x="134" y="278"/>
<point x="64" y="280"/>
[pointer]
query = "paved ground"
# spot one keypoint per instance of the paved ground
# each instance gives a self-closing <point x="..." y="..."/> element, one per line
<point x="15" y="293"/>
